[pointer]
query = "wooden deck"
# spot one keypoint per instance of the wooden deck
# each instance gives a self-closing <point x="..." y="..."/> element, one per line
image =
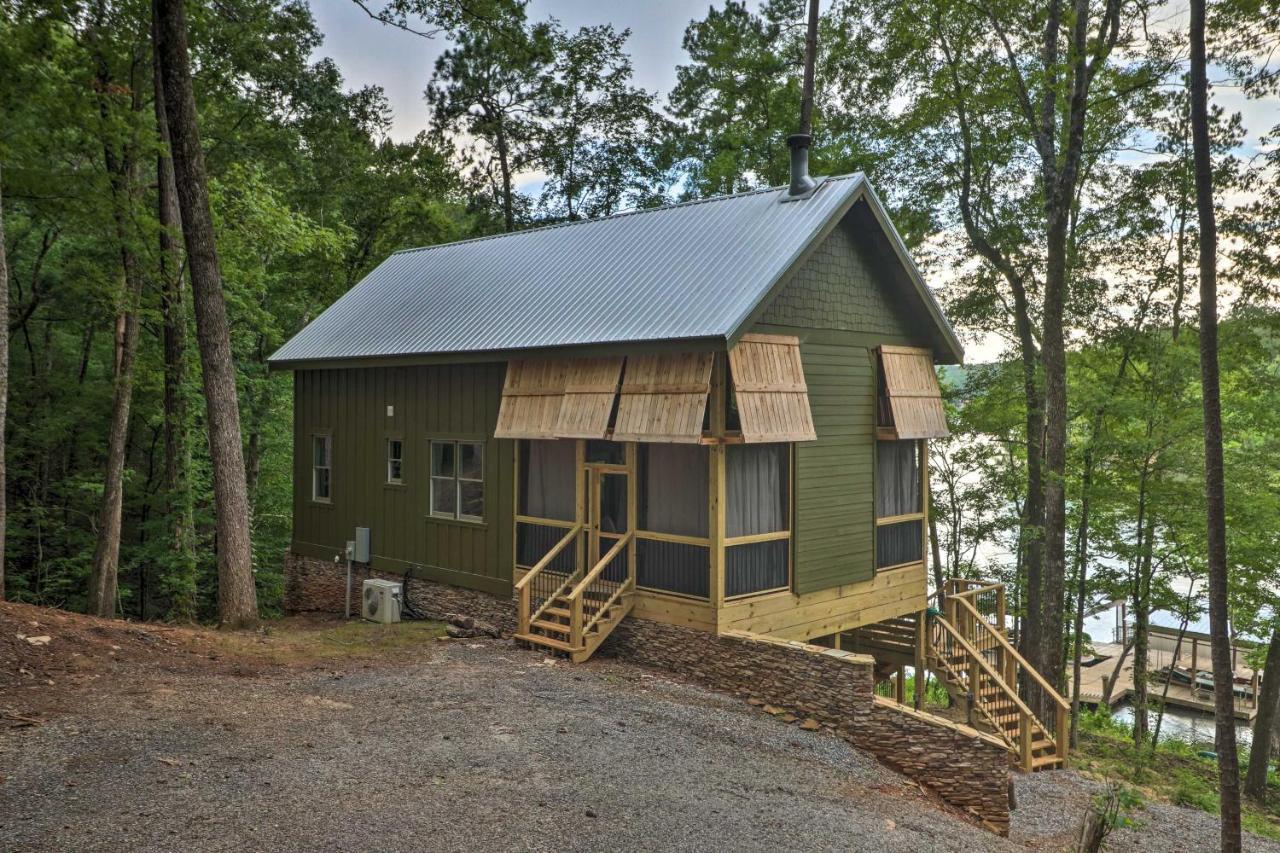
<point x="1093" y="680"/>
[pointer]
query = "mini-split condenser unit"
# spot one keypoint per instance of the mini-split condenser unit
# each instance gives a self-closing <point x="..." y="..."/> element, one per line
<point x="381" y="601"/>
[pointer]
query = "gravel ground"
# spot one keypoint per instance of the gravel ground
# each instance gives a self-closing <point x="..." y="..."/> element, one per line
<point x="478" y="745"/>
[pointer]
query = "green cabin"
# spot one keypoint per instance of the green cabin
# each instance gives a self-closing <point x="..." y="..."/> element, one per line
<point x="712" y="414"/>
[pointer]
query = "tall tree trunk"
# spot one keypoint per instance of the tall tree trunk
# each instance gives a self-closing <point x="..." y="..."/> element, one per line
<point x="180" y="577"/>
<point x="508" y="193"/>
<point x="237" y="598"/>
<point x="4" y="378"/>
<point x="1214" y="493"/>
<point x="1255" y="780"/>
<point x="122" y="169"/>
<point x="1082" y="568"/>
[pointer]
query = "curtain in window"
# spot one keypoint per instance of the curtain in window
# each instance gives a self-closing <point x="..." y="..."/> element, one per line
<point x="897" y="478"/>
<point x="755" y="489"/>
<point x="547" y="481"/>
<point x="673" y="488"/>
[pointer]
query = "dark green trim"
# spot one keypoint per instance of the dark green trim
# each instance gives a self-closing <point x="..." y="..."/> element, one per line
<point x="579" y="351"/>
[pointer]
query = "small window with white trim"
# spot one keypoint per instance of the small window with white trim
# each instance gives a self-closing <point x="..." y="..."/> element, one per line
<point x="457" y="479"/>
<point x="321" y="467"/>
<point x="395" y="461"/>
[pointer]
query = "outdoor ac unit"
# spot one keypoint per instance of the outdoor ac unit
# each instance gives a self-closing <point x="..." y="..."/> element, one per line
<point x="381" y="601"/>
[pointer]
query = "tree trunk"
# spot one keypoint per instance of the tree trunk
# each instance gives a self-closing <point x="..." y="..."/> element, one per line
<point x="4" y="378"/>
<point x="1255" y="781"/>
<point x="504" y="165"/>
<point x="180" y="577"/>
<point x="1082" y="565"/>
<point x="237" y="598"/>
<point x="1215" y="499"/>
<point x="104" y="573"/>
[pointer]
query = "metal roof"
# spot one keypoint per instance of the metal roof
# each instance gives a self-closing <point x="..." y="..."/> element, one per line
<point x="684" y="271"/>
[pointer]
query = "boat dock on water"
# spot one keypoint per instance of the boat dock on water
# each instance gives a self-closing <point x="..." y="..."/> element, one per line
<point x="1172" y="662"/>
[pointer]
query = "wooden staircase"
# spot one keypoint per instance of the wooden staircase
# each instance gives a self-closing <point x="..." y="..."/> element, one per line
<point x="564" y="608"/>
<point x="965" y="646"/>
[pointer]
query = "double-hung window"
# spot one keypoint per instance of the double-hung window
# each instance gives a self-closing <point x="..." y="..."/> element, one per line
<point x="321" y="467"/>
<point x="395" y="461"/>
<point x="457" y="479"/>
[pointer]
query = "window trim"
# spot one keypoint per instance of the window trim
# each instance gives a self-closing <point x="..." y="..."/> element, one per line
<point x="386" y="444"/>
<point x="457" y="479"/>
<point x="328" y="443"/>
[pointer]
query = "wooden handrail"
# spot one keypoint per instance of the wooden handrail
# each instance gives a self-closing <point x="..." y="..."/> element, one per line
<point x="1011" y="651"/>
<point x="976" y="657"/>
<point x="550" y="555"/>
<point x="973" y="592"/>
<point x="599" y="567"/>
<point x="604" y="608"/>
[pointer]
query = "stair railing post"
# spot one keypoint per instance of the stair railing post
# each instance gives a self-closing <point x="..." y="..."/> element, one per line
<point x="575" y="622"/>
<point x="1060" y="737"/>
<point x="1000" y="609"/>
<point x="1024" y="739"/>
<point x="525" y="607"/>
<point x="921" y="626"/>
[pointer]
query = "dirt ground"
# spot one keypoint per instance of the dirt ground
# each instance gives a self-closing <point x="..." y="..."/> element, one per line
<point x="319" y="736"/>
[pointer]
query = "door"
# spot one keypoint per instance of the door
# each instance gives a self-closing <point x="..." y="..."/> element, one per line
<point x="608" y="518"/>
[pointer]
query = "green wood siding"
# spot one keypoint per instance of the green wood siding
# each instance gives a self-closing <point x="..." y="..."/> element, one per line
<point x="444" y="402"/>
<point x="841" y="304"/>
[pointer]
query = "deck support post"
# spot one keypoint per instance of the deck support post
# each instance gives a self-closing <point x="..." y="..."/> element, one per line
<point x="922" y="625"/>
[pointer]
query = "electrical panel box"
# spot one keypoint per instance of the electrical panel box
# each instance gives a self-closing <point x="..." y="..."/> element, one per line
<point x="362" y="545"/>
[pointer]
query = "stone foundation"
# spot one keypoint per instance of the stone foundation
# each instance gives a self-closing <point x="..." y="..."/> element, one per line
<point x="965" y="768"/>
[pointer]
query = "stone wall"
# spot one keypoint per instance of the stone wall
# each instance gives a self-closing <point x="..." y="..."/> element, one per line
<point x="317" y="585"/>
<point x="965" y="768"/>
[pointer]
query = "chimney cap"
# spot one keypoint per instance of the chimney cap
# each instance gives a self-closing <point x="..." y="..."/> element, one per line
<point x="799" y="140"/>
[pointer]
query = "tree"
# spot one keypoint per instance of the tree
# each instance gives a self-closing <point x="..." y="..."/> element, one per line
<point x="4" y="377"/>
<point x="492" y="87"/>
<point x="237" y="598"/>
<point x="1255" y="782"/>
<point x="1214" y="490"/>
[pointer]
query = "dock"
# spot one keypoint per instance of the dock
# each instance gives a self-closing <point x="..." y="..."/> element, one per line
<point x="1193" y="655"/>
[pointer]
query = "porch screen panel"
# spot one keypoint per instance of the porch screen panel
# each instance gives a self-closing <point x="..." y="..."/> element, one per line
<point x="547" y="479"/>
<point x="756" y="502"/>
<point x="769" y="389"/>
<point x="664" y="397"/>
<point x="673" y="488"/>
<point x="532" y="396"/>
<point x="591" y="385"/>
<point x="897" y="478"/>
<point x="673" y="494"/>
<point x="910" y="394"/>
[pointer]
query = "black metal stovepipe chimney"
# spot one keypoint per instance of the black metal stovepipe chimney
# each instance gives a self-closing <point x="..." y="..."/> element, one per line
<point x="801" y="183"/>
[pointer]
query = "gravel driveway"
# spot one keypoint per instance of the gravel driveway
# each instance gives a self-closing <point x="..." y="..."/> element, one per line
<point x="468" y="746"/>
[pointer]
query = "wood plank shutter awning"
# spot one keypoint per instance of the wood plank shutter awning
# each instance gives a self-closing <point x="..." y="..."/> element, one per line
<point x="532" y="398"/>
<point x="769" y="386"/>
<point x="664" y="397"/>
<point x="591" y="384"/>
<point x="914" y="397"/>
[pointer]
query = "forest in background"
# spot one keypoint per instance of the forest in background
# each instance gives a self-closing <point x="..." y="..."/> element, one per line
<point x="1049" y="194"/>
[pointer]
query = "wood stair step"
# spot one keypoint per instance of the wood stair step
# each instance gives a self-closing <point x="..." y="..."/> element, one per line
<point x="558" y="611"/>
<point x="557" y="627"/>
<point x="550" y="642"/>
<point x="1045" y="761"/>
<point x="1038" y="745"/>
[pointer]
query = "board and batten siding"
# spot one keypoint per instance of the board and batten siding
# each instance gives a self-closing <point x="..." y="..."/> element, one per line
<point x="457" y="401"/>
<point x="841" y="304"/>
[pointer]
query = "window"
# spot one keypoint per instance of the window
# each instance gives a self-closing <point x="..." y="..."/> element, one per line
<point x="457" y="479"/>
<point x="673" y="553"/>
<point x="757" y="518"/>
<point x="321" y="467"/>
<point x="899" y="503"/>
<point x="395" y="461"/>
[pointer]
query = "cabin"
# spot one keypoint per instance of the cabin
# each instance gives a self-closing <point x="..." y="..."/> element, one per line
<point x="714" y="414"/>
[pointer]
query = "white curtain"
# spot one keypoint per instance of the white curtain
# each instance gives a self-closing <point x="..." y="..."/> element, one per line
<point x="755" y="489"/>
<point x="897" y="478"/>
<point x="673" y="488"/>
<point x="547" y="487"/>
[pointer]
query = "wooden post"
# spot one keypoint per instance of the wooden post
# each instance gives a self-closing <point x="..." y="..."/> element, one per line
<point x="580" y="501"/>
<point x="1061" y="737"/>
<point x="922" y="625"/>
<point x="1000" y="609"/>
<point x="575" y="623"/>
<point x="632" y="508"/>
<point x="900" y="688"/>
<point x="1195" y="649"/>
<point x="1024" y="739"/>
<point x="716" y="482"/>
<point x="525" y="607"/>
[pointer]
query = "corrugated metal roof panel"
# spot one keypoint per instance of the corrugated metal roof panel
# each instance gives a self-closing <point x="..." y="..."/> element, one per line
<point x="693" y="270"/>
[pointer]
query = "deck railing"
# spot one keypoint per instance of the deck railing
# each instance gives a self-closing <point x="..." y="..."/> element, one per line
<point x="542" y="583"/>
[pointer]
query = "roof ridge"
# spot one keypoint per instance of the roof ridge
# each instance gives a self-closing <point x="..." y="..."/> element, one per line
<point x="619" y="215"/>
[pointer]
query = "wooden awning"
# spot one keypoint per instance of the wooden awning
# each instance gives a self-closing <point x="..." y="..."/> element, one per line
<point x="912" y="392"/>
<point x="591" y="384"/>
<point x="532" y="398"/>
<point x="664" y="397"/>
<point x="769" y="386"/>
